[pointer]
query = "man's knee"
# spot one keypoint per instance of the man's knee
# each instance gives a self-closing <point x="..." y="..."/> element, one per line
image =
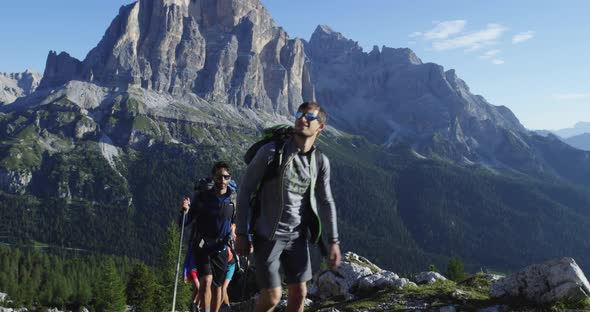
<point x="297" y="291"/>
<point x="206" y="281"/>
<point x="271" y="296"/>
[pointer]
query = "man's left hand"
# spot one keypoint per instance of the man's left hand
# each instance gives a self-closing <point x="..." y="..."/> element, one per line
<point x="334" y="257"/>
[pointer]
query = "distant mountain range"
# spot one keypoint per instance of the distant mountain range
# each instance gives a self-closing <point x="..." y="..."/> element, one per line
<point x="579" y="128"/>
<point x="578" y="136"/>
<point x="98" y="156"/>
<point x="581" y="141"/>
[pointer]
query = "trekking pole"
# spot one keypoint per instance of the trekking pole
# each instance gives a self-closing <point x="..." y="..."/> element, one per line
<point x="178" y="263"/>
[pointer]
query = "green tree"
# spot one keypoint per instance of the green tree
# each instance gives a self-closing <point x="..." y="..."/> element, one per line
<point x="432" y="268"/>
<point x="110" y="293"/>
<point x="141" y="289"/>
<point x="167" y="274"/>
<point x="455" y="270"/>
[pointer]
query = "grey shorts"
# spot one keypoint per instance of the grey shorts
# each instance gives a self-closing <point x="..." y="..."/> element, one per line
<point x="290" y="255"/>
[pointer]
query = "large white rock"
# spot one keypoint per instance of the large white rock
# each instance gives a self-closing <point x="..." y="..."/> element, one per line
<point x="554" y="280"/>
<point x="429" y="277"/>
<point x="381" y="280"/>
<point x="493" y="277"/>
<point x="356" y="274"/>
<point x="340" y="283"/>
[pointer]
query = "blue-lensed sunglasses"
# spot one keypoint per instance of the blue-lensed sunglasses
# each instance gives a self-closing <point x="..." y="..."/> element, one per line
<point x="308" y="116"/>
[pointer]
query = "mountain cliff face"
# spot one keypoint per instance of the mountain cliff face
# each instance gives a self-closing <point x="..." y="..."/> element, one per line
<point x="15" y="85"/>
<point x="391" y="96"/>
<point x="225" y="51"/>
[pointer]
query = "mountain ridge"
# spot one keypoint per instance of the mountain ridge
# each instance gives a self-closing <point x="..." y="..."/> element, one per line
<point x="242" y="58"/>
<point x="580" y="141"/>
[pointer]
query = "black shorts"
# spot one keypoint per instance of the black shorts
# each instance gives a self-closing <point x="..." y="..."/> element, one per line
<point x="212" y="263"/>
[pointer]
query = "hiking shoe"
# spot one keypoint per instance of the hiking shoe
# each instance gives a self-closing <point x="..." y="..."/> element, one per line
<point x="225" y="308"/>
<point x="195" y="307"/>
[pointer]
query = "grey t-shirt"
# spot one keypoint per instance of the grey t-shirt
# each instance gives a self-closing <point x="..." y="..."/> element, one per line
<point x="276" y="202"/>
<point x="296" y="185"/>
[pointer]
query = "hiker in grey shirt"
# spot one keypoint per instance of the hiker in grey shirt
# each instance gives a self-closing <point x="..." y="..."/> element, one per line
<point x="295" y="205"/>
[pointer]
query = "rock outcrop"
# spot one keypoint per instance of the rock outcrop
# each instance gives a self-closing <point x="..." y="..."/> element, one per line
<point x="15" y="180"/>
<point x="552" y="281"/>
<point x="381" y="280"/>
<point x="356" y="275"/>
<point x="429" y="277"/>
<point x="15" y="85"/>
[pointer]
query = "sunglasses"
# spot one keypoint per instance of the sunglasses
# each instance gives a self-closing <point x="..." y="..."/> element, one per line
<point x="224" y="176"/>
<point x="308" y="116"/>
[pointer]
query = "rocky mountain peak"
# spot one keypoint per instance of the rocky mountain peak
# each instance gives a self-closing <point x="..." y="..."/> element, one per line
<point x="226" y="51"/>
<point x="15" y="85"/>
<point x="325" y="42"/>
<point x="326" y="29"/>
<point x="232" y="52"/>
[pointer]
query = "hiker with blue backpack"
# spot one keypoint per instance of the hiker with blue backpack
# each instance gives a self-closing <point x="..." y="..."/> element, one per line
<point x="211" y="213"/>
<point x="285" y="198"/>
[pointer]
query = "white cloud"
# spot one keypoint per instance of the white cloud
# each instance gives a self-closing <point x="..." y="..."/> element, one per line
<point x="571" y="96"/>
<point x="444" y="30"/>
<point x="489" y="54"/>
<point x="472" y="41"/>
<point x="523" y="36"/>
<point x="498" y="62"/>
<point x="415" y="34"/>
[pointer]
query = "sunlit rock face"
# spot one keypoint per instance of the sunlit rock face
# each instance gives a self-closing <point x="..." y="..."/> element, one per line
<point x="225" y="51"/>
<point x="15" y="85"/>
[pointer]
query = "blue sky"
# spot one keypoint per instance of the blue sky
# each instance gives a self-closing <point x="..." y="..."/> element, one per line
<point x="530" y="56"/>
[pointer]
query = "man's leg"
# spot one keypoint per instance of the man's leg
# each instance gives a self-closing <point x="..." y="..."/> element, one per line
<point x="268" y="299"/>
<point x="297" y="293"/>
<point x="231" y="268"/>
<point x="296" y="263"/>
<point x="225" y="297"/>
<point x="206" y="282"/>
<point x="267" y="257"/>
<point x="205" y="277"/>
<point x="219" y="268"/>
<point x="195" y="282"/>
<point x="215" y="299"/>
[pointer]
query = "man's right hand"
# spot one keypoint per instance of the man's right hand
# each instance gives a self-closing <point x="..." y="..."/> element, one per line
<point x="185" y="204"/>
<point x="243" y="246"/>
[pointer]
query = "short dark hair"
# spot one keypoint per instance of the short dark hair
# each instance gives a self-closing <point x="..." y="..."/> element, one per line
<point x="220" y="165"/>
<point x="322" y="115"/>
